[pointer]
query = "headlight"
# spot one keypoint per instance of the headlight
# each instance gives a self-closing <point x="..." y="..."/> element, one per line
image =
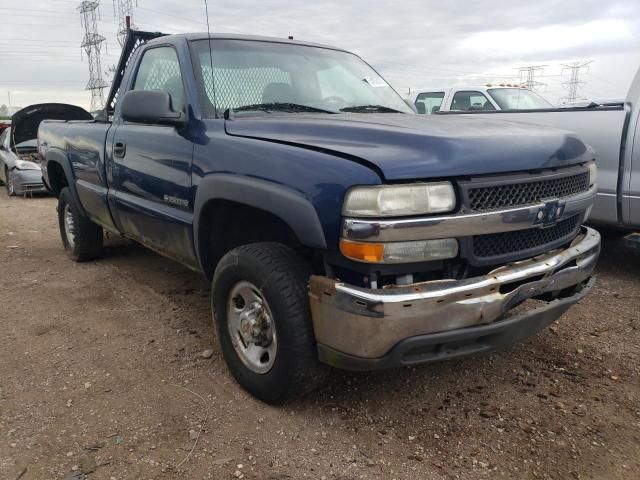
<point x="593" y="173"/>
<point x="25" y="165"/>
<point x="400" y="252"/>
<point x="399" y="200"/>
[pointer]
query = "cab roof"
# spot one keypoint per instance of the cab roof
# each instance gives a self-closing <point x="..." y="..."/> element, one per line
<point x="234" y="36"/>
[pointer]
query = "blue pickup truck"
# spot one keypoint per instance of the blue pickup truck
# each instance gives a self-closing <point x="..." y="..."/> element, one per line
<point x="338" y="228"/>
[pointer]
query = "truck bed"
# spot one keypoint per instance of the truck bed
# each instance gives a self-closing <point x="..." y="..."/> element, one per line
<point x="84" y="142"/>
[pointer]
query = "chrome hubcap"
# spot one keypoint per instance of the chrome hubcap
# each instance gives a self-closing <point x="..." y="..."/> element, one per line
<point x="251" y="327"/>
<point x="69" y="226"/>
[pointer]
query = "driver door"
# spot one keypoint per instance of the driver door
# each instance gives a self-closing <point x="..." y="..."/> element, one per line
<point x="151" y="175"/>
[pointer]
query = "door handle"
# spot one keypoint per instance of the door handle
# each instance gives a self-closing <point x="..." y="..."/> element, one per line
<point x="119" y="149"/>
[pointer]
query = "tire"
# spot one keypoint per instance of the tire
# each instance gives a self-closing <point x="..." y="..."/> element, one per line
<point x="82" y="239"/>
<point x="280" y="277"/>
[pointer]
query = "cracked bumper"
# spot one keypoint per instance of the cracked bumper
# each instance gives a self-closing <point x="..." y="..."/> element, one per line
<point x="362" y="329"/>
<point x="27" y="181"/>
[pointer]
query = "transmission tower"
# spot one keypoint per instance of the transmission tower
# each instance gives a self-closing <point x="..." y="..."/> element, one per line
<point x="528" y="76"/>
<point x="123" y="10"/>
<point x="92" y="44"/>
<point x="574" y="83"/>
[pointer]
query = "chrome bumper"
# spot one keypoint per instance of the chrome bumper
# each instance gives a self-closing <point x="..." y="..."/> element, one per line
<point x="368" y="323"/>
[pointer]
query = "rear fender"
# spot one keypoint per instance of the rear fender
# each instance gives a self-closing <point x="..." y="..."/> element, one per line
<point x="60" y="157"/>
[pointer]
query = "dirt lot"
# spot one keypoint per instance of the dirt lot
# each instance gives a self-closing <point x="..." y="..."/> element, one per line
<point x="101" y="373"/>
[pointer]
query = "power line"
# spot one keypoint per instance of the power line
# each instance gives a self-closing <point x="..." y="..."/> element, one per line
<point x="574" y="83"/>
<point x="123" y="11"/>
<point x="528" y="76"/>
<point x="172" y="15"/>
<point x="92" y="44"/>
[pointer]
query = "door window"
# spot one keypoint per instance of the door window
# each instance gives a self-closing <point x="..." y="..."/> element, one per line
<point x="160" y="70"/>
<point x="470" y="101"/>
<point x="429" y="102"/>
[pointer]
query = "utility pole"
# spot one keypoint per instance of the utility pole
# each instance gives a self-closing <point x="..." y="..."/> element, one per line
<point x="9" y="97"/>
<point x="123" y="9"/>
<point x="528" y="76"/>
<point x="92" y="44"/>
<point x="574" y="83"/>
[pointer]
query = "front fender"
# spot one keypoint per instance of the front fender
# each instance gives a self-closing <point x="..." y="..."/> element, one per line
<point x="60" y="157"/>
<point x="287" y="204"/>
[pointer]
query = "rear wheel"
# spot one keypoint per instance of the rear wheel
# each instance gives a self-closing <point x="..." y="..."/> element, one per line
<point x="82" y="239"/>
<point x="261" y="309"/>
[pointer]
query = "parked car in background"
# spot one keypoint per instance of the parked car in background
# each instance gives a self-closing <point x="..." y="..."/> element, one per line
<point x="336" y="225"/>
<point x="18" y="171"/>
<point x="477" y="98"/>
<point x="613" y="130"/>
<point x="20" y="168"/>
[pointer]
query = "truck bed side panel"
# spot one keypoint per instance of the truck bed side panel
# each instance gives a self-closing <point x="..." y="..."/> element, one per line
<point x="86" y="150"/>
<point x="631" y="184"/>
<point x="84" y="146"/>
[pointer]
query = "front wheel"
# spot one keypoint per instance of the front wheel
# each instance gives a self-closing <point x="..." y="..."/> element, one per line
<point x="261" y="310"/>
<point x="82" y="239"/>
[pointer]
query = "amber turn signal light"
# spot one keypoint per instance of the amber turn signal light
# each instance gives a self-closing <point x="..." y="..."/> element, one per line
<point x="364" y="252"/>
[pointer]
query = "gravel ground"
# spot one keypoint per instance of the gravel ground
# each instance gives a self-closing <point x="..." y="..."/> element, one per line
<point x="102" y="375"/>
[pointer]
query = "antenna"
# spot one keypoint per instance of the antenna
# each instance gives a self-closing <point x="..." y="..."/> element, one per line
<point x="213" y="84"/>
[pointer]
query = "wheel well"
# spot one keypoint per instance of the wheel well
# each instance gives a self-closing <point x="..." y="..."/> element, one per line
<point x="225" y="225"/>
<point x="57" y="178"/>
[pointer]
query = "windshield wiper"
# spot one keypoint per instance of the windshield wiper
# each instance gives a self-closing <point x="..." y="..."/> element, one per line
<point x="280" y="107"/>
<point x="369" y="109"/>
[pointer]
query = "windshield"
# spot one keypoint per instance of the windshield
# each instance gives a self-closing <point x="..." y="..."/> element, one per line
<point x="250" y="73"/>
<point x="518" y="99"/>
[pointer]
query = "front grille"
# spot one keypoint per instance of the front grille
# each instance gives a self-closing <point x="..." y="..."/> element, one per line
<point x="517" y="194"/>
<point x="496" y="244"/>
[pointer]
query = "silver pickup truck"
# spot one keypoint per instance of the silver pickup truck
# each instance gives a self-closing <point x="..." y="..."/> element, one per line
<point x="611" y="130"/>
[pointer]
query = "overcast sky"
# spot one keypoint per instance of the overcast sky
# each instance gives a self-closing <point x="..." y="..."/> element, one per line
<point x="413" y="43"/>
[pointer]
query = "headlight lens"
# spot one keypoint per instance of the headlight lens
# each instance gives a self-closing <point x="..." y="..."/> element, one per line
<point x="400" y="252"/>
<point x="593" y="173"/>
<point x="399" y="200"/>
<point x="25" y="165"/>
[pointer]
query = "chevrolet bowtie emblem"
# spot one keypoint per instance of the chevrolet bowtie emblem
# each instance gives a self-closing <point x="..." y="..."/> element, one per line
<point x="549" y="213"/>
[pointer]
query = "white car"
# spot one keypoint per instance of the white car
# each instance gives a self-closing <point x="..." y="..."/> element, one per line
<point x="477" y="98"/>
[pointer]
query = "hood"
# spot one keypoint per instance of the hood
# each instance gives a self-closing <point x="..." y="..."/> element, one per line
<point x="25" y="122"/>
<point x="404" y="146"/>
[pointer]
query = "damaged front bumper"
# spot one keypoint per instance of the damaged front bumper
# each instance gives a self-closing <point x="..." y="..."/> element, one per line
<point x="27" y="181"/>
<point x="364" y="329"/>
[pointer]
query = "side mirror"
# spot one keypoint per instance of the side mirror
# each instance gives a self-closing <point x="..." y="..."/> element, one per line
<point x="421" y="108"/>
<point x="150" y="106"/>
